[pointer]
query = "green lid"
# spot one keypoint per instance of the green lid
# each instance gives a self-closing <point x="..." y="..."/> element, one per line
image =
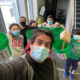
<point x="3" y="41"/>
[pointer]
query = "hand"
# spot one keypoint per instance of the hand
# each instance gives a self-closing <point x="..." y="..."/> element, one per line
<point x="57" y="24"/>
<point x="33" y="25"/>
<point x="78" y="63"/>
<point x="43" y="24"/>
<point x="65" y="36"/>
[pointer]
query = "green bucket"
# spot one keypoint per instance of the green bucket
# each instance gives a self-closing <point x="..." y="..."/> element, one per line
<point x="57" y="31"/>
<point x="5" y="51"/>
<point x="45" y="28"/>
<point x="57" y="46"/>
<point x="29" y="33"/>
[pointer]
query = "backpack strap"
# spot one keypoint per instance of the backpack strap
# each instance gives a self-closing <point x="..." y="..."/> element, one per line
<point x="29" y="68"/>
<point x="27" y="47"/>
<point x="55" y="71"/>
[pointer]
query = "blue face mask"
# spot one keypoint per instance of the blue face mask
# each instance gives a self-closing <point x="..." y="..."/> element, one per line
<point x="16" y="33"/>
<point x="76" y="37"/>
<point x="50" y="22"/>
<point x="40" y="53"/>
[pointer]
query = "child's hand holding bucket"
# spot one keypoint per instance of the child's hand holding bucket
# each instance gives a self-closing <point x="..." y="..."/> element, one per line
<point x="65" y="36"/>
<point x="57" y="24"/>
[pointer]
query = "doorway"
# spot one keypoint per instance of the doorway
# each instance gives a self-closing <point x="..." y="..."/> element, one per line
<point x="9" y="12"/>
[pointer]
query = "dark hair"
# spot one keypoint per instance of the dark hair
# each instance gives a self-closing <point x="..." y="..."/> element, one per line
<point x="77" y="32"/>
<point x="38" y="32"/>
<point x="50" y="16"/>
<point x="31" y="21"/>
<point x="13" y="25"/>
<point x="22" y="17"/>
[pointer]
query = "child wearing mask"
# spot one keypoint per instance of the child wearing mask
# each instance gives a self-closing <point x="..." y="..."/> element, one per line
<point x="74" y="59"/>
<point x="50" y="24"/>
<point x="23" y="29"/>
<point x="33" y="25"/>
<point x="15" y="41"/>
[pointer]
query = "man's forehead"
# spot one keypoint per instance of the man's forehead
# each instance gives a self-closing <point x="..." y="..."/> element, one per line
<point x="44" y="38"/>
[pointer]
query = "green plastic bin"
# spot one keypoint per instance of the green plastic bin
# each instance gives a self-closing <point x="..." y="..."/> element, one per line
<point x="29" y="33"/>
<point x="46" y="28"/>
<point x="5" y="51"/>
<point x="57" y="46"/>
<point x="57" y="31"/>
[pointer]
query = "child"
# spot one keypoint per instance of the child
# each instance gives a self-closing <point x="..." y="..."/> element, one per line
<point x="33" y="25"/>
<point x="50" y="24"/>
<point x="15" y="41"/>
<point x="74" y="58"/>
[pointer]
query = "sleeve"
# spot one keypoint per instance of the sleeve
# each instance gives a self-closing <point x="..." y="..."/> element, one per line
<point x="12" y="70"/>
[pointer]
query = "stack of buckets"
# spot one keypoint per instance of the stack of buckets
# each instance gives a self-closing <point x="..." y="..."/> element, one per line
<point x="57" y="45"/>
<point x="5" y="52"/>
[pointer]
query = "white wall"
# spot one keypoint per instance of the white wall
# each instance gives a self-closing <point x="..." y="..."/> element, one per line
<point x="62" y="4"/>
<point x="36" y="4"/>
<point x="22" y="11"/>
<point x="70" y="16"/>
<point x="39" y="4"/>
<point x="34" y="8"/>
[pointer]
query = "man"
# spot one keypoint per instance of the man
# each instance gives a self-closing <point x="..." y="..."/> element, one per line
<point x="35" y="65"/>
<point x="23" y="29"/>
<point x="50" y="24"/>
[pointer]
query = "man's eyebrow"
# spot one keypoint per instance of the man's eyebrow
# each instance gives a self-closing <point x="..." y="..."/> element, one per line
<point x="43" y="41"/>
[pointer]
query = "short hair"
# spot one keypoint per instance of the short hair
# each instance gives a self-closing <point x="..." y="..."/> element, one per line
<point x="50" y="16"/>
<point x="38" y="32"/>
<point x="22" y="17"/>
<point x="77" y="32"/>
<point x="11" y="25"/>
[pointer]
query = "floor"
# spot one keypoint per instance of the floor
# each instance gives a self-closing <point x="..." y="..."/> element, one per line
<point x="61" y="66"/>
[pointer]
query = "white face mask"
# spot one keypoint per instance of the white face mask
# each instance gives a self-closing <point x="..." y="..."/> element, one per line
<point x="40" y="53"/>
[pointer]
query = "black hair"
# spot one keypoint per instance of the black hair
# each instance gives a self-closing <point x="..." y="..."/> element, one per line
<point x="13" y="25"/>
<point x="22" y="17"/>
<point x="77" y="32"/>
<point x="50" y="16"/>
<point x="38" y="32"/>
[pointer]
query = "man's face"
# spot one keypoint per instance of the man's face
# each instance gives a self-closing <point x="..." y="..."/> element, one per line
<point x="22" y="20"/>
<point x="41" y="41"/>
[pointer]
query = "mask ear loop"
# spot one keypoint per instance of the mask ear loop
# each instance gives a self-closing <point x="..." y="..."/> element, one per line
<point x="27" y="48"/>
<point x="50" y="54"/>
<point x="29" y="51"/>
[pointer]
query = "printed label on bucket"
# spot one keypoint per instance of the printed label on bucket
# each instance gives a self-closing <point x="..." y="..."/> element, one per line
<point x="62" y="56"/>
<point x="4" y="55"/>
